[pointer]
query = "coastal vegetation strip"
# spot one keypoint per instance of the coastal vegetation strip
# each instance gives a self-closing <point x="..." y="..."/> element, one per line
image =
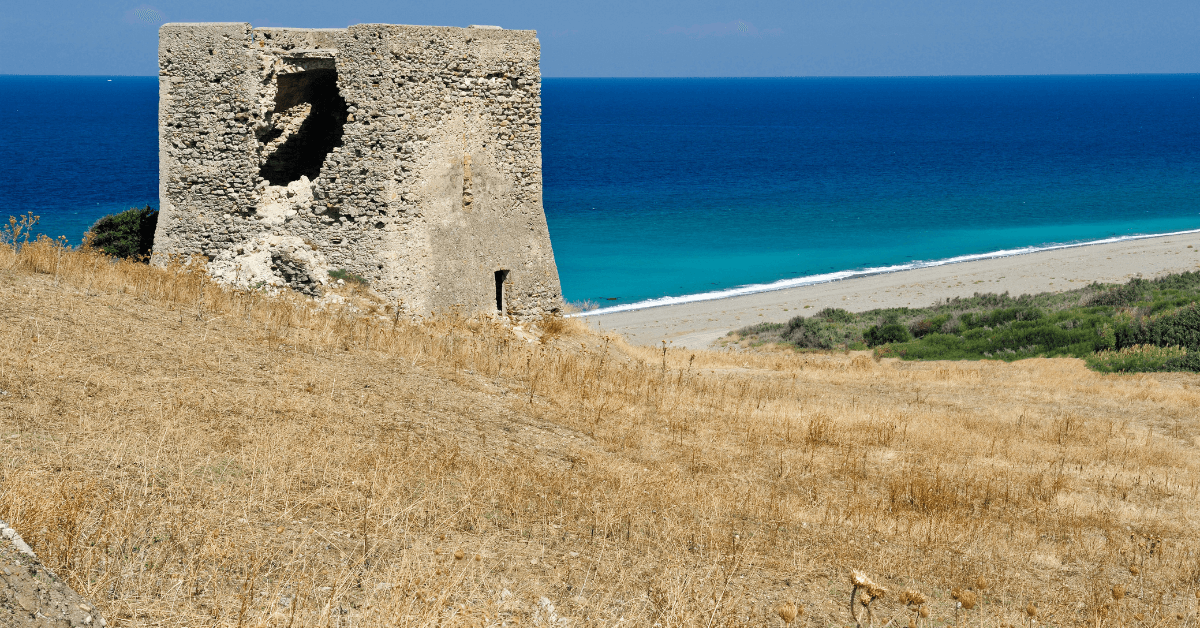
<point x="1142" y="325"/>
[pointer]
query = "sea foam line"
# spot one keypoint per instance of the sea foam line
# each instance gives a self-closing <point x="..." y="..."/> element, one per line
<point x="810" y="280"/>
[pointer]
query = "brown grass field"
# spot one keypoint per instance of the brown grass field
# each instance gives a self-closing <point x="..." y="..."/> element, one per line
<point x="188" y="455"/>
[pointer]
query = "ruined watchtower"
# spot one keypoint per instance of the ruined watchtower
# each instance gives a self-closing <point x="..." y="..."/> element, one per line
<point x="406" y="155"/>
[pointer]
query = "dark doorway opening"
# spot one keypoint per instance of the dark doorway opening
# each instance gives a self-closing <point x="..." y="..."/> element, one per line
<point x="303" y="153"/>
<point x="501" y="277"/>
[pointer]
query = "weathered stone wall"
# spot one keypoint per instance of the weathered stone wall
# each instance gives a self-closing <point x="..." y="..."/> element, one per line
<point x="407" y="155"/>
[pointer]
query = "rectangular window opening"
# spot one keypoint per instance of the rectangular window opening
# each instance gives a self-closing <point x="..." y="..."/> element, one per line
<point x="501" y="277"/>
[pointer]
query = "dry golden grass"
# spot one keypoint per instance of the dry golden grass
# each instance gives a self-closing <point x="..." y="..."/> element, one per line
<point x="188" y="455"/>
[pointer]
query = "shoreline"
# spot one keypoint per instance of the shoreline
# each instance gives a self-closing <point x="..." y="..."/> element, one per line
<point x="841" y="275"/>
<point x="696" y="321"/>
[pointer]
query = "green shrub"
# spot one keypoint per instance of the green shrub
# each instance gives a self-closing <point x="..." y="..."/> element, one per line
<point x="808" y="333"/>
<point x="347" y="276"/>
<point x="760" y="328"/>
<point x="1177" y="328"/>
<point x="926" y="326"/>
<point x="887" y="333"/>
<point x="1143" y="359"/>
<point x="1121" y="296"/>
<point x="996" y="318"/>
<point x="1189" y="361"/>
<point x="835" y="315"/>
<point x="1139" y="290"/>
<point x="920" y="328"/>
<point x="129" y="234"/>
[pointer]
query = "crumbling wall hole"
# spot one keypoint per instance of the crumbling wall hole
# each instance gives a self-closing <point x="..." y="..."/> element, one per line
<point x="303" y="152"/>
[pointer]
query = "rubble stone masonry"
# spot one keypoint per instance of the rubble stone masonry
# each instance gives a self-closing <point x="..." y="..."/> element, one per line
<point x="407" y="155"/>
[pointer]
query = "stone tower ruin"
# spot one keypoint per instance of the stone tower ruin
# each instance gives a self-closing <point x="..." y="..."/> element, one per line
<point x="409" y="156"/>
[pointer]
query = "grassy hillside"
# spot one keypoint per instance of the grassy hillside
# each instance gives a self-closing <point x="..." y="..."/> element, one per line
<point x="1143" y="325"/>
<point x="192" y="456"/>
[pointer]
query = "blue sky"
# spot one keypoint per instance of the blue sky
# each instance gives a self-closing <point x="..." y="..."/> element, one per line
<point x="693" y="38"/>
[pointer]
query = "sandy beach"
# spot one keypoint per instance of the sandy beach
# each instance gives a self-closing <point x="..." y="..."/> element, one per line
<point x="697" y="325"/>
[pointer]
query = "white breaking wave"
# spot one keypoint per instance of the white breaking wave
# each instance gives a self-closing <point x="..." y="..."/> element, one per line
<point x="810" y="280"/>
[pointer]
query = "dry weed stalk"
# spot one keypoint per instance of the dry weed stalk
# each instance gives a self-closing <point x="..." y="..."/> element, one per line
<point x="981" y="585"/>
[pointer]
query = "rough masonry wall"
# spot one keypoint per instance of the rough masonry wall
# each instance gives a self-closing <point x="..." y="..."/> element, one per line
<point x="407" y="155"/>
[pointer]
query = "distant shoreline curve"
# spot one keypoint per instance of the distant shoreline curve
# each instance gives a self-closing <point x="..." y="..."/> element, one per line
<point x="810" y="280"/>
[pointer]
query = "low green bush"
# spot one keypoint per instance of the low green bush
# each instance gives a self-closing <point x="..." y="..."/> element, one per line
<point x="925" y="326"/>
<point x="1189" y="361"/>
<point x="347" y="276"/>
<point x="996" y="318"/>
<point x="835" y="315"/>
<point x="1143" y="359"/>
<point x="1120" y="296"/>
<point x="886" y="334"/>
<point x="760" y="328"/>
<point x="129" y="234"/>
<point x="809" y="333"/>
<point x="1176" y="328"/>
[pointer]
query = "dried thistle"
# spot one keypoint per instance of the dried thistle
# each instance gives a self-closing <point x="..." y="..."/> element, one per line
<point x="787" y="612"/>
<point x="458" y="555"/>
<point x="923" y="612"/>
<point x="964" y="597"/>
<point x="912" y="598"/>
<point x="1118" y="592"/>
<point x="981" y="584"/>
<point x="1133" y="569"/>
<point x="860" y="581"/>
<point x="864" y="592"/>
<point x="1031" y="611"/>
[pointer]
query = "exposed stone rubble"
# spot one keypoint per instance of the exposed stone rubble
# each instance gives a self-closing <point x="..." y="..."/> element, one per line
<point x="32" y="596"/>
<point x="406" y="155"/>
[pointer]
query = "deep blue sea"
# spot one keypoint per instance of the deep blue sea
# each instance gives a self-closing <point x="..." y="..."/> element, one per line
<point x="667" y="187"/>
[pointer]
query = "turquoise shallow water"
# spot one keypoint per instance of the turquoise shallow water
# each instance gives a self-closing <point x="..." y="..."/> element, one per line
<point x="669" y="187"/>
